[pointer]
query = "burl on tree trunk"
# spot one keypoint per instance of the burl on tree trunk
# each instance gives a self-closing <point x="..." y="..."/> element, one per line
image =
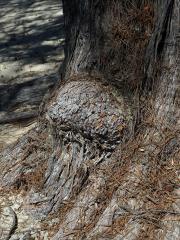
<point x="103" y="161"/>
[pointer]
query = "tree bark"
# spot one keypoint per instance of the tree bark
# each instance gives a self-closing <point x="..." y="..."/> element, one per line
<point x="102" y="164"/>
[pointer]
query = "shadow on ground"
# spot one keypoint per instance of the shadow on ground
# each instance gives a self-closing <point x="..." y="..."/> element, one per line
<point x="31" y="51"/>
<point x="31" y="38"/>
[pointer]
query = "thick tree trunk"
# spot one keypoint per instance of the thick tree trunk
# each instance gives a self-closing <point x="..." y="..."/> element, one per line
<point x="103" y="162"/>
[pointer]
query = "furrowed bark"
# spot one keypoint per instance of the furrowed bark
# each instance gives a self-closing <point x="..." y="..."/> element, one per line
<point x="111" y="129"/>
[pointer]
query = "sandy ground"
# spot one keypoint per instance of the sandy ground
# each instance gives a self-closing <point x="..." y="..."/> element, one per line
<point x="31" y="47"/>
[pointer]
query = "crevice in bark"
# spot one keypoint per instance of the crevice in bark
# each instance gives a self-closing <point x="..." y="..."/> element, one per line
<point x="157" y="44"/>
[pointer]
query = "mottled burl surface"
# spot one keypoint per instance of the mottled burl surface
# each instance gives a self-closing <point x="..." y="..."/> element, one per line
<point x="91" y="108"/>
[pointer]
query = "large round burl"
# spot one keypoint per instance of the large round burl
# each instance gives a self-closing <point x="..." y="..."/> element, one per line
<point x="90" y="108"/>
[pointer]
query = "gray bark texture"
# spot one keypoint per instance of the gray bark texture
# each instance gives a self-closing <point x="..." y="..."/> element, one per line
<point x="103" y="161"/>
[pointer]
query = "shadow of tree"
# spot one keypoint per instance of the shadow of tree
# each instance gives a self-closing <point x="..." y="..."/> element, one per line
<point x="31" y="50"/>
<point x="33" y="30"/>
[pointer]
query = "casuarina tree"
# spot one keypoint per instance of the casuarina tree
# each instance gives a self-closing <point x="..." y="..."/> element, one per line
<point x="103" y="161"/>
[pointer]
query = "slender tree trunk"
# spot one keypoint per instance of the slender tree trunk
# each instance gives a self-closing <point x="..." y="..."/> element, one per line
<point x="102" y="164"/>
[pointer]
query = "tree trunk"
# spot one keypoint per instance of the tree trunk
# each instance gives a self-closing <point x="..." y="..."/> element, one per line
<point x="102" y="164"/>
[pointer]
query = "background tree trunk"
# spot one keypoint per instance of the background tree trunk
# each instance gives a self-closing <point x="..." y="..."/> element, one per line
<point x="103" y="162"/>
